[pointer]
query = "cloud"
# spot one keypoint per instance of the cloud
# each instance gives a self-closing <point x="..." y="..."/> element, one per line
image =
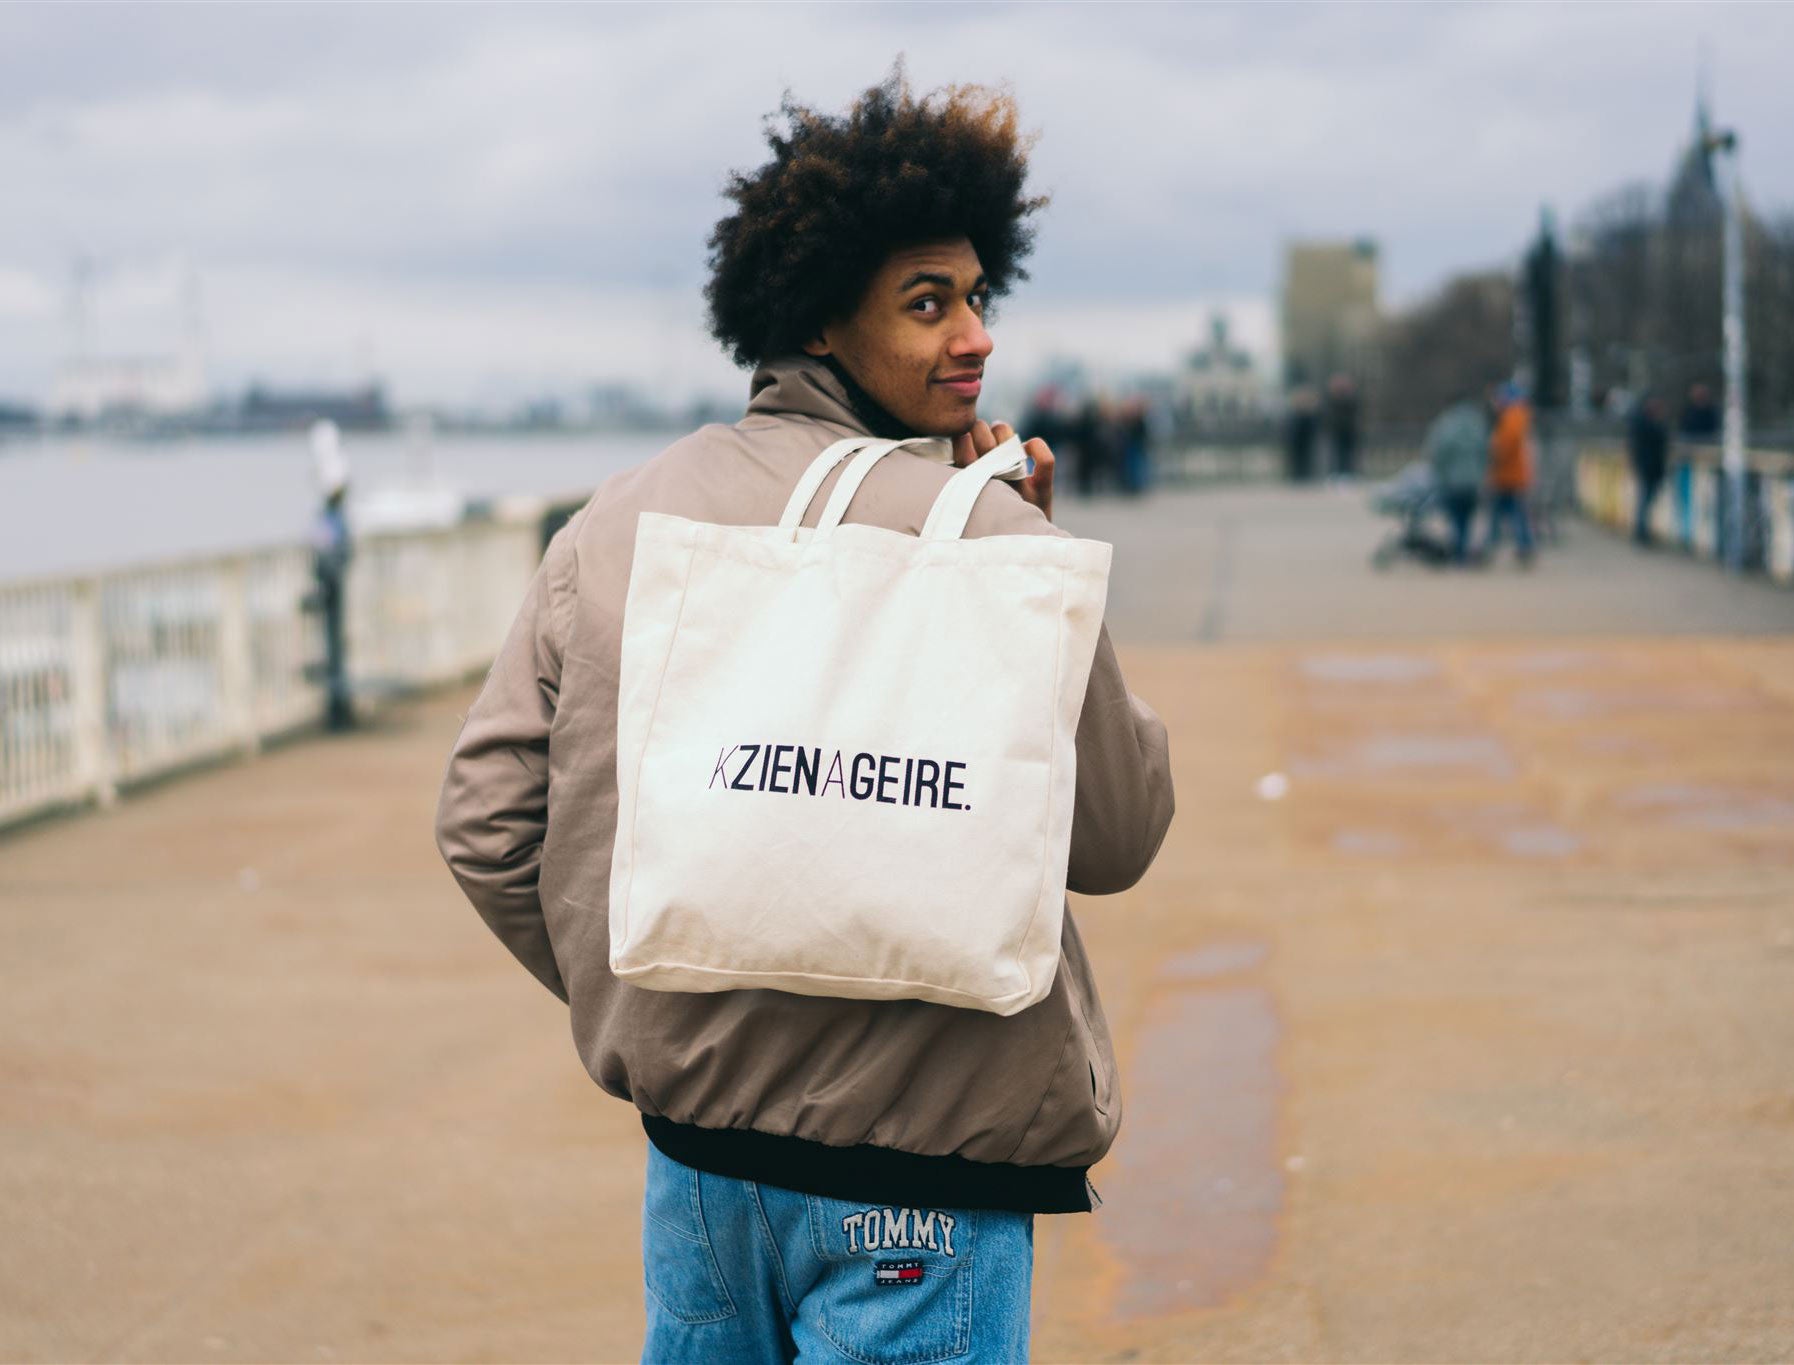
<point x="452" y="189"/>
<point x="24" y="296"/>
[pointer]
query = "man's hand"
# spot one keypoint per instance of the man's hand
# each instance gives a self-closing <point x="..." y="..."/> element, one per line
<point x="985" y="437"/>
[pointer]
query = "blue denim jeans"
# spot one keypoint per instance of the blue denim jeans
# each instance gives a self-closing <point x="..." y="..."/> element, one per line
<point x="1508" y="506"/>
<point x="743" y="1272"/>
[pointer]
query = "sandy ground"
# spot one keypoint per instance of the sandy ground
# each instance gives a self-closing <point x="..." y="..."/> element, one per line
<point x="1475" y="1045"/>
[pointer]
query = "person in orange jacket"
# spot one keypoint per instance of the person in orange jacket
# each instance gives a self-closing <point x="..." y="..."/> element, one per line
<point x="1510" y="472"/>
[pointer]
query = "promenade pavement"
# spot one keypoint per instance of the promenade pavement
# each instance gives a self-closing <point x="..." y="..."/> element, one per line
<point x="1452" y="1019"/>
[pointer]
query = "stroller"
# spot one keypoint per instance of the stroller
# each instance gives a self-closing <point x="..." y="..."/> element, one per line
<point x="1412" y="497"/>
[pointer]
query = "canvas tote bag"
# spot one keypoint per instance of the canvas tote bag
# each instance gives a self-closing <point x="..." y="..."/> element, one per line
<point x="846" y="756"/>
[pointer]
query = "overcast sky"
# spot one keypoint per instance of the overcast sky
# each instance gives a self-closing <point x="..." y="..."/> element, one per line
<point x="477" y="204"/>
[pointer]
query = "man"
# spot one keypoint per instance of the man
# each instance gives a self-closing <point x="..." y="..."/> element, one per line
<point x="1342" y="425"/>
<point x="836" y="1179"/>
<point x="1701" y="420"/>
<point x="1457" y="447"/>
<point x="332" y="550"/>
<point x="1301" y="428"/>
<point x="1510" y="473"/>
<point x="1647" y="443"/>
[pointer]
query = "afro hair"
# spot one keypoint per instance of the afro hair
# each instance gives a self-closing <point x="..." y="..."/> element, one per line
<point x="841" y="193"/>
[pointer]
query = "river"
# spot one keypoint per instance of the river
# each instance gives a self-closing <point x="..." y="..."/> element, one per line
<point x="77" y="504"/>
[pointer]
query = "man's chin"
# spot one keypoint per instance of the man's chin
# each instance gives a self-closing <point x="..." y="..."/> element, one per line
<point x="943" y="421"/>
<point x="957" y="425"/>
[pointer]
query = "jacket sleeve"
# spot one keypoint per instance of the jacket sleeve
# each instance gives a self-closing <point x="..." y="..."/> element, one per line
<point x="1124" y="800"/>
<point x="492" y="814"/>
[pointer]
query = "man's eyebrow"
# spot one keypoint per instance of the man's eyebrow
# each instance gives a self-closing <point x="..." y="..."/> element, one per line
<point x="932" y="277"/>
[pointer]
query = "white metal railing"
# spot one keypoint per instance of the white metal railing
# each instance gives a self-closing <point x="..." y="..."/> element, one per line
<point x="110" y="678"/>
<point x="1690" y="509"/>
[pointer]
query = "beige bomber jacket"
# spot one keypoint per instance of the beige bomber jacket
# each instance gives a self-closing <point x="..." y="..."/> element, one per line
<point x="528" y="810"/>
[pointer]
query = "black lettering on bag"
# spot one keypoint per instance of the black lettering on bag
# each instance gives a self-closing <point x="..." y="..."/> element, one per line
<point x="721" y="759"/>
<point x="780" y="768"/>
<point x="949" y="786"/>
<point x="928" y="773"/>
<point x="797" y="769"/>
<point x="834" y="775"/>
<point x="859" y="793"/>
<point x="746" y="763"/>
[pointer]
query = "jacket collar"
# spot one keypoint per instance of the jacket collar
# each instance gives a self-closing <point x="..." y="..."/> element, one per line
<point x="802" y="386"/>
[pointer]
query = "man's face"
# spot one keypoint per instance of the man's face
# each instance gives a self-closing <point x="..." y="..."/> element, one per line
<point x="916" y="342"/>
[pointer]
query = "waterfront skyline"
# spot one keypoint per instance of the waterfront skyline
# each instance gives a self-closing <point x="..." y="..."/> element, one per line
<point x="476" y="204"/>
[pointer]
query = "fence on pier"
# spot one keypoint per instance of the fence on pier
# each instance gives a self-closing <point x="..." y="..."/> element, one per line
<point x="113" y="678"/>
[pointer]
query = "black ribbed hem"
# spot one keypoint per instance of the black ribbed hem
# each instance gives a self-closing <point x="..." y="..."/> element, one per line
<point x="872" y="1175"/>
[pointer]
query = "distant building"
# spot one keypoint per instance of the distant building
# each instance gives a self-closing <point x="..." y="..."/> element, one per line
<point x="91" y="385"/>
<point x="1693" y="197"/>
<point x="87" y="389"/>
<point x="1218" y="380"/>
<point x="1329" y="309"/>
<point x="16" y="416"/>
<point x="359" y="409"/>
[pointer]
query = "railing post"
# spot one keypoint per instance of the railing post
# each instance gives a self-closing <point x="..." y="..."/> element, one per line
<point x="87" y="670"/>
<point x="236" y="662"/>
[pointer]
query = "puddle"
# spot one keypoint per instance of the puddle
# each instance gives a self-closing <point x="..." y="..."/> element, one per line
<point x="1197" y="1187"/>
<point x="1711" y="808"/>
<point x="1764" y="813"/>
<point x="1386" y="753"/>
<point x="1369" y="668"/>
<point x="1215" y="959"/>
<point x="1668" y="794"/>
<point x="1613" y="745"/>
<point x="1540" y="841"/>
<point x="1551" y="661"/>
<point x="1576" y="703"/>
<point x="1368" y="841"/>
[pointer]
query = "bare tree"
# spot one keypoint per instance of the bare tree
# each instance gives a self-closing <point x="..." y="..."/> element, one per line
<point x="1450" y="346"/>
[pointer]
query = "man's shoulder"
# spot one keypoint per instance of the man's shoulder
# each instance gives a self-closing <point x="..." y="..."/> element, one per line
<point x="723" y="471"/>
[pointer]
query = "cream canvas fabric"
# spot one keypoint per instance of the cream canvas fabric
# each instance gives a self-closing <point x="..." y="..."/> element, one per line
<point x="845" y="756"/>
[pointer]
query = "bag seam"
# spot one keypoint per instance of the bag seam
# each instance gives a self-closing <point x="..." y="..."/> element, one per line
<point x="1046" y="871"/>
<point x="648" y="734"/>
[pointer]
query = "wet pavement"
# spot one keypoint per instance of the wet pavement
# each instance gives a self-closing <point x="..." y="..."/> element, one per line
<point x="1452" y="1020"/>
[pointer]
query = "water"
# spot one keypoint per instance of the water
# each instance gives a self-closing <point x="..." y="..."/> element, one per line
<point x="73" y="505"/>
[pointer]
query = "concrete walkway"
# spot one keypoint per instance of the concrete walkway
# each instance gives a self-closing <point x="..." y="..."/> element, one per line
<point x="1474" y="1045"/>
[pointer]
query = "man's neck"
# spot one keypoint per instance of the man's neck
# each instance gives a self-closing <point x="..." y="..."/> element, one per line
<point x="878" y="421"/>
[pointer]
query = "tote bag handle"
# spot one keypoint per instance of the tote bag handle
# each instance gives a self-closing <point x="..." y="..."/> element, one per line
<point x="871" y="450"/>
<point x="952" y="507"/>
<point x="805" y="492"/>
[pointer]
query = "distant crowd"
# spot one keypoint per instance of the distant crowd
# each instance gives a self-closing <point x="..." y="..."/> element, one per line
<point x="1105" y="443"/>
<point x="1482" y="452"/>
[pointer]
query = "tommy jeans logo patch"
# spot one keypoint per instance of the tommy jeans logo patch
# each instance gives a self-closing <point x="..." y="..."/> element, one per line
<point x="897" y="1272"/>
<point x="799" y="770"/>
<point x="908" y="1229"/>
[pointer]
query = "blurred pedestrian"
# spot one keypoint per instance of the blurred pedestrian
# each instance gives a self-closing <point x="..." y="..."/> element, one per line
<point x="1457" y="449"/>
<point x="332" y="549"/>
<point x="1647" y="441"/>
<point x="1085" y="432"/>
<point x="1046" y="416"/>
<point x="1131" y="432"/>
<point x="1700" y="415"/>
<point x="1510" y="473"/>
<point x="1342" y="425"/>
<point x="1302" y="425"/>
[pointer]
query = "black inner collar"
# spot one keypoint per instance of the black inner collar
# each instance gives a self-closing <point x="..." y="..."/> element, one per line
<point x="867" y="408"/>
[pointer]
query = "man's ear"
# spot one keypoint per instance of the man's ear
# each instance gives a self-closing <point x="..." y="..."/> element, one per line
<point x="818" y="345"/>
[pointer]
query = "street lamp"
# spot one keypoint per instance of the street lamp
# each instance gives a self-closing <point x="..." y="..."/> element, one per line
<point x="1732" y="203"/>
